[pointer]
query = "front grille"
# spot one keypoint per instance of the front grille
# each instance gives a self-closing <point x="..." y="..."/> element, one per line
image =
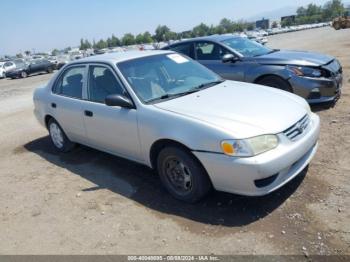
<point x="298" y="129"/>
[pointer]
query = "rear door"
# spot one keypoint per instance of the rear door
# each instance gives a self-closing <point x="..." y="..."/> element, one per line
<point x="113" y="129"/>
<point x="34" y="66"/>
<point x="210" y="54"/>
<point x="66" y="102"/>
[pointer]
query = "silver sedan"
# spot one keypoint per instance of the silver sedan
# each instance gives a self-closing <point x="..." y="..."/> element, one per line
<point x="168" y="112"/>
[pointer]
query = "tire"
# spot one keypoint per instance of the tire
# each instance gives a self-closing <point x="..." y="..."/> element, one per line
<point x="24" y="74"/>
<point x="58" y="138"/>
<point x="49" y="70"/>
<point x="276" y="82"/>
<point x="182" y="174"/>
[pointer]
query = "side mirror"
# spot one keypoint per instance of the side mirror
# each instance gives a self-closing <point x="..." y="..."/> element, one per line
<point x="229" y="58"/>
<point x="118" y="100"/>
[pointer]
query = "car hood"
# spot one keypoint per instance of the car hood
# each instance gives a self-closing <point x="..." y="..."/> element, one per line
<point x="242" y="109"/>
<point x="289" y="57"/>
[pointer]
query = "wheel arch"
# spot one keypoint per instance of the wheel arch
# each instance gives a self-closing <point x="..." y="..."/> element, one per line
<point x="282" y="78"/>
<point x="261" y="77"/>
<point x="158" y="145"/>
<point x="47" y="119"/>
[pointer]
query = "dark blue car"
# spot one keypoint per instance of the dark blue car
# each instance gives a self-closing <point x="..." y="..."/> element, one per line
<point x="315" y="77"/>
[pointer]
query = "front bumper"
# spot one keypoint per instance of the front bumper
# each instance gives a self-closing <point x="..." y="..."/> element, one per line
<point x="317" y="90"/>
<point x="242" y="175"/>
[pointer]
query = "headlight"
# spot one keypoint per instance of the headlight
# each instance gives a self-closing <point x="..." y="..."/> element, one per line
<point x="250" y="146"/>
<point x="305" y="71"/>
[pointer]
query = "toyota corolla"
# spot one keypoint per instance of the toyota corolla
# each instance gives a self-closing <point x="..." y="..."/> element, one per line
<point x="166" y="111"/>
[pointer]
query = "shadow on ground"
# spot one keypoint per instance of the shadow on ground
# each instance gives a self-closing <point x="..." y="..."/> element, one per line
<point x="142" y="185"/>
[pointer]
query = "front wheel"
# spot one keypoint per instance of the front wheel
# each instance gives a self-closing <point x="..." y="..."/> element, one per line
<point x="276" y="82"/>
<point x="182" y="174"/>
<point x="58" y="138"/>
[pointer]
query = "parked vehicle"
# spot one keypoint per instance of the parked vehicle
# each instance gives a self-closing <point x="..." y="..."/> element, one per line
<point x="341" y="22"/>
<point x="2" y="72"/>
<point x="36" y="66"/>
<point x="53" y="60"/>
<point x="315" y="77"/>
<point x="168" y="112"/>
<point x="5" y="67"/>
<point x="62" y="61"/>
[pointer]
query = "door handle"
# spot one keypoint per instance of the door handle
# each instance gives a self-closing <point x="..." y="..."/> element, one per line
<point x="53" y="105"/>
<point x="88" y="113"/>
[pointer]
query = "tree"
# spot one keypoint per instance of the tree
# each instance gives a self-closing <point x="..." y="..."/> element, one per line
<point x="27" y="53"/>
<point x="301" y="11"/>
<point x="226" y="25"/>
<point x="250" y="26"/>
<point x="109" y="42"/>
<point x="139" y="39"/>
<point x="84" y="44"/>
<point x="115" y="41"/>
<point x="200" y="30"/>
<point x="274" y="24"/>
<point x="67" y="49"/>
<point x="128" y="39"/>
<point x="101" y="44"/>
<point x="162" y="32"/>
<point x="333" y="9"/>
<point x="147" y="37"/>
<point x="55" y="52"/>
<point x="19" y="55"/>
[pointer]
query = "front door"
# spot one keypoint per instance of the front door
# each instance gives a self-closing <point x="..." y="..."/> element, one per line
<point x="210" y="55"/>
<point x="113" y="129"/>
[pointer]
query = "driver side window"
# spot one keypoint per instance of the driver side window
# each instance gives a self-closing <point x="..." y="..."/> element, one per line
<point x="210" y="51"/>
<point x="102" y="82"/>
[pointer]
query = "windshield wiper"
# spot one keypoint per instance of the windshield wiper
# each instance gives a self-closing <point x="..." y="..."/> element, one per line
<point x="193" y="90"/>
<point x="273" y="51"/>
<point x="209" y="84"/>
<point x="270" y="52"/>
<point x="167" y="96"/>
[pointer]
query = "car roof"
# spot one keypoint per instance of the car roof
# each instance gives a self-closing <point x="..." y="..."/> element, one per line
<point x="121" y="56"/>
<point x="215" y="38"/>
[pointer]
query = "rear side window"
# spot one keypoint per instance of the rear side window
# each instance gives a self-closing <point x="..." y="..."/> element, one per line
<point x="102" y="82"/>
<point x="71" y="82"/>
<point x="185" y="49"/>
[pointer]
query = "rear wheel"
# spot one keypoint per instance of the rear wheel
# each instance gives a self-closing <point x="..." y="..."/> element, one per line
<point x="276" y="82"/>
<point x="24" y="74"/>
<point x="58" y="138"/>
<point x="182" y="175"/>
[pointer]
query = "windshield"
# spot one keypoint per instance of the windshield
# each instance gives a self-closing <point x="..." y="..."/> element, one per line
<point x="160" y="77"/>
<point x="246" y="47"/>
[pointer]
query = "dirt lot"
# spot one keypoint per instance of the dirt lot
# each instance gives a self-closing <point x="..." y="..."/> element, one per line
<point x="88" y="202"/>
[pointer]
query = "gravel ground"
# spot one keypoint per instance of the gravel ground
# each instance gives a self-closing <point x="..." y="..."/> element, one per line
<point x="89" y="202"/>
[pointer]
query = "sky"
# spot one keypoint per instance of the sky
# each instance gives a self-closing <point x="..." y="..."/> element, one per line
<point x="42" y="25"/>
